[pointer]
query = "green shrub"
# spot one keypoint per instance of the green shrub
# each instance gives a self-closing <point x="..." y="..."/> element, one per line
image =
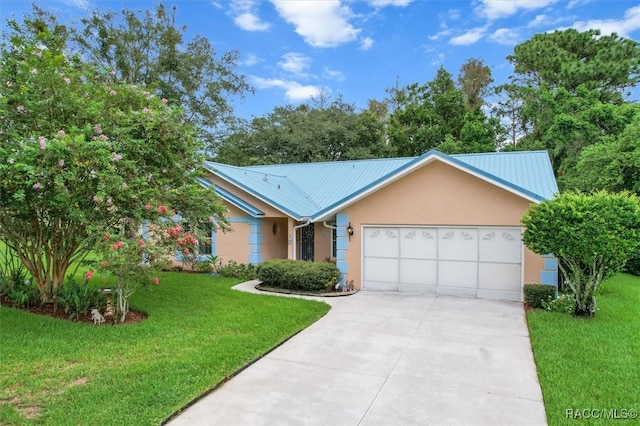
<point x="564" y="303"/>
<point x="78" y="299"/>
<point x="633" y="266"/>
<point x="298" y="275"/>
<point x="535" y="294"/>
<point x="20" y="291"/>
<point x="242" y="271"/>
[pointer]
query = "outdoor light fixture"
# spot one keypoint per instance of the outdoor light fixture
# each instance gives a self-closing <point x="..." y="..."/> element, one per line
<point x="350" y="231"/>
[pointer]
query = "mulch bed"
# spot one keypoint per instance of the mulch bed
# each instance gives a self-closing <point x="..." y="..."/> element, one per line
<point x="47" y="309"/>
<point x="305" y="293"/>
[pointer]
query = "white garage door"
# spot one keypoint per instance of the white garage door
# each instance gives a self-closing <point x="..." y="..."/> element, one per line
<point x="478" y="262"/>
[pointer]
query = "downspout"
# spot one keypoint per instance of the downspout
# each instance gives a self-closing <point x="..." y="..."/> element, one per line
<point x="295" y="228"/>
<point x="326" y="225"/>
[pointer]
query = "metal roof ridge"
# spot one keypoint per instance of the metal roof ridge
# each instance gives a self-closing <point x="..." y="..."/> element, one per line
<point x="246" y="169"/>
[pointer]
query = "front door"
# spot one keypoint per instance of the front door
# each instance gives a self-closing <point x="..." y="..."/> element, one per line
<point x="307" y="242"/>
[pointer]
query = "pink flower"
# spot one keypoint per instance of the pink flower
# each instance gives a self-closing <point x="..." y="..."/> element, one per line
<point x="142" y="244"/>
<point x="95" y="198"/>
<point x="37" y="185"/>
<point x="20" y="107"/>
<point x="156" y="280"/>
<point x="212" y="219"/>
<point x="145" y="110"/>
<point x="162" y="209"/>
<point x="115" y="156"/>
<point x="164" y="101"/>
<point x="112" y="93"/>
<point x="186" y="251"/>
<point x="98" y="129"/>
<point x="42" y="141"/>
<point x="147" y="207"/>
<point x="61" y="163"/>
<point x="112" y="73"/>
<point x="89" y="274"/>
<point x="109" y="201"/>
<point x="61" y="133"/>
<point x="117" y="245"/>
<point x="67" y="80"/>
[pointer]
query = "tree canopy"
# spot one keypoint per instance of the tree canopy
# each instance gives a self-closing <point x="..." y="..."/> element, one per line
<point x="148" y="47"/>
<point x="82" y="152"/>
<point x="590" y="235"/>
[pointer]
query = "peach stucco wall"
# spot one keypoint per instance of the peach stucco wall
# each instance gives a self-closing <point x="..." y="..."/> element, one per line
<point x="322" y="243"/>
<point x="437" y="194"/>
<point x="234" y="244"/>
<point x="274" y="238"/>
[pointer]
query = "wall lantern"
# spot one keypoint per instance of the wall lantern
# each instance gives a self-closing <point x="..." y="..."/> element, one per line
<point x="350" y="231"/>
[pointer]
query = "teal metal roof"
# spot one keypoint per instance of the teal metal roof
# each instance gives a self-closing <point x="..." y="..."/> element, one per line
<point x="317" y="190"/>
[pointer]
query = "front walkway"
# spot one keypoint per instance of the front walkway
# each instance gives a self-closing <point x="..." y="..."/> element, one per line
<point x="389" y="359"/>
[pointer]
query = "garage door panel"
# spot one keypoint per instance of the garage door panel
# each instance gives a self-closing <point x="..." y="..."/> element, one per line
<point x="469" y="261"/>
<point x="417" y="288"/>
<point x="381" y="242"/>
<point x="500" y="245"/>
<point x="418" y="243"/>
<point x="417" y="271"/>
<point x="457" y="274"/>
<point x="381" y="269"/>
<point x="499" y="276"/>
<point x="457" y="244"/>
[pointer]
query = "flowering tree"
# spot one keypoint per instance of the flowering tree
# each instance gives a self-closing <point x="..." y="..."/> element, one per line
<point x="81" y="154"/>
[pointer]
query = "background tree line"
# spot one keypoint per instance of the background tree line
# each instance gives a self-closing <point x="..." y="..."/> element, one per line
<point x="569" y="94"/>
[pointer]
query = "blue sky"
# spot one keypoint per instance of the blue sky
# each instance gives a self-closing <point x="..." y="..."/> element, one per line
<point x="291" y="50"/>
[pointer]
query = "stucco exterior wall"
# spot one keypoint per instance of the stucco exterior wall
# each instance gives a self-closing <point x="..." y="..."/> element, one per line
<point x="439" y="195"/>
<point x="234" y="244"/>
<point x="274" y="238"/>
<point x="322" y="243"/>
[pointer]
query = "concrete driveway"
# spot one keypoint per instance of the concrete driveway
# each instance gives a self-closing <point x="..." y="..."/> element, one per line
<point x="389" y="359"/>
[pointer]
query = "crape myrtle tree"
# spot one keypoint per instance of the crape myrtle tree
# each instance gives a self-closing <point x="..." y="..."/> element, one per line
<point x="82" y="154"/>
<point x="592" y="236"/>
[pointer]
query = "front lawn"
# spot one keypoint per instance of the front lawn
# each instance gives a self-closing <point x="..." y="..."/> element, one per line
<point x="590" y="368"/>
<point x="197" y="333"/>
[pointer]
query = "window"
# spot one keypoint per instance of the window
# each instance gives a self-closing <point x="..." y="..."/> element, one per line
<point x="204" y="236"/>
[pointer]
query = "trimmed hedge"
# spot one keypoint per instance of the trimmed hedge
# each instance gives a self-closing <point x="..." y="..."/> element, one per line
<point x="535" y="294"/>
<point x="298" y="275"/>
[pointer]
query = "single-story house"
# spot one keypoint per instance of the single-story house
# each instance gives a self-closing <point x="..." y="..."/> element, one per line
<point x="437" y="223"/>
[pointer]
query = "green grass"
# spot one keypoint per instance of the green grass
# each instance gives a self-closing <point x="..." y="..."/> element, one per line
<point x="197" y="333"/>
<point x="591" y="364"/>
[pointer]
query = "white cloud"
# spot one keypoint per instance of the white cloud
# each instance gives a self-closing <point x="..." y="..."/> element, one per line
<point x="623" y="27"/>
<point x="294" y="91"/>
<point x="250" y="22"/>
<point x="82" y="4"/>
<point x="366" y="43"/>
<point x="295" y="63"/>
<point x="384" y="3"/>
<point x="438" y="59"/>
<point x="506" y="36"/>
<point x="331" y="74"/>
<point x="319" y="23"/>
<point x="244" y="16"/>
<point x="494" y="9"/>
<point x="216" y="4"/>
<point x="251" y="60"/>
<point x="470" y="37"/>
<point x="439" y="35"/>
